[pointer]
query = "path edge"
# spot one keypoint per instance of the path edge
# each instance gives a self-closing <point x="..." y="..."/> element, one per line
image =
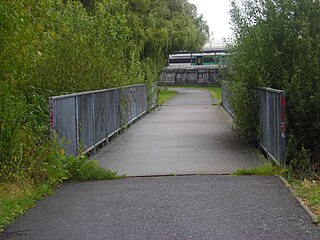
<point x="305" y="207"/>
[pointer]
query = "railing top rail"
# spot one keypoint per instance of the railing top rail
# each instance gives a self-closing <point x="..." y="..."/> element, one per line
<point x="95" y="91"/>
<point x="271" y="89"/>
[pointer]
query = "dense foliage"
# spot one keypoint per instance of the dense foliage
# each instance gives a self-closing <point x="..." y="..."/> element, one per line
<point x="52" y="47"/>
<point x="277" y="45"/>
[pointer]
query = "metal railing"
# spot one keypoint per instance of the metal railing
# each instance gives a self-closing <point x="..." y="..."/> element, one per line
<point x="272" y="137"/>
<point x="271" y="105"/>
<point x="85" y="120"/>
<point x="225" y="99"/>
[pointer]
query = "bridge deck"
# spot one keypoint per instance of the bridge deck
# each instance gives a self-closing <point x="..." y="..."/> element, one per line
<point x="187" y="136"/>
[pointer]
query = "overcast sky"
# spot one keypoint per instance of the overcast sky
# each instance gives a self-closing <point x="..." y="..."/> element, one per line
<point x="216" y="13"/>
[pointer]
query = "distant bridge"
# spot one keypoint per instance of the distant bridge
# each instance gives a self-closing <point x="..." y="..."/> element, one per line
<point x="190" y="75"/>
<point x="195" y="68"/>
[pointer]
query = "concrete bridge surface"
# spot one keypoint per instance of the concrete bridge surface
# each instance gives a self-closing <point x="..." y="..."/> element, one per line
<point x="187" y="136"/>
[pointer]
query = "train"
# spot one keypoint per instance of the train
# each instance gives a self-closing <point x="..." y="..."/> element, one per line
<point x="197" y="59"/>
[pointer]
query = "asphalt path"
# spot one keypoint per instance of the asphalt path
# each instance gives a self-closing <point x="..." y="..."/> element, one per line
<point x="188" y="135"/>
<point x="181" y="207"/>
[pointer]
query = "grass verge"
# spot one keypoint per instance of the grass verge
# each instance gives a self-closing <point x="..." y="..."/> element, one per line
<point x="267" y="169"/>
<point x="16" y="198"/>
<point x="165" y="95"/>
<point x="307" y="190"/>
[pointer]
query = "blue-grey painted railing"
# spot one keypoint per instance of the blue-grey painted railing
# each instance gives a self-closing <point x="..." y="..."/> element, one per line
<point x="225" y="98"/>
<point x="85" y="120"/>
<point x="271" y="105"/>
<point x="272" y="137"/>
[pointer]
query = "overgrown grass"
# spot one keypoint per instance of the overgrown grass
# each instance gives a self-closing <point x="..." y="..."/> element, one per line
<point x="215" y="91"/>
<point x="165" y="95"/>
<point x="267" y="169"/>
<point x="16" y="198"/>
<point x="309" y="192"/>
<point x="91" y="170"/>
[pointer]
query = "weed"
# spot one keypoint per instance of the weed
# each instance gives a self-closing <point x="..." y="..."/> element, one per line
<point x="165" y="95"/>
<point x="268" y="169"/>
<point x="15" y="199"/>
<point x="91" y="170"/>
<point x="309" y="191"/>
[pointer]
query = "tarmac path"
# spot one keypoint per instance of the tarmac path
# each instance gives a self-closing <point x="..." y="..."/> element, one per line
<point x="187" y="136"/>
<point x="181" y="207"/>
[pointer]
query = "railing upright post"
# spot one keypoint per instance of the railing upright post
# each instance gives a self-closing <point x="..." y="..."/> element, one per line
<point x="93" y="123"/>
<point x="52" y="117"/>
<point x="283" y="126"/>
<point x="78" y="151"/>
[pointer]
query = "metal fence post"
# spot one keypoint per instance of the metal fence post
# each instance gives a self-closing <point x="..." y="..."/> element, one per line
<point x="283" y="127"/>
<point x="51" y="116"/>
<point x="93" y="124"/>
<point x="77" y="125"/>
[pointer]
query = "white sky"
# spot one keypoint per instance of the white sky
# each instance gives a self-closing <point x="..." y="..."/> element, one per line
<point x="216" y="13"/>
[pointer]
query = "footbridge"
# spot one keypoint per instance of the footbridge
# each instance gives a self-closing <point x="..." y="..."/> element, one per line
<point x="187" y="135"/>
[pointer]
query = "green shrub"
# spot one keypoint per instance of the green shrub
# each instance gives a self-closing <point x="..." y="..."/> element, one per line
<point x="91" y="170"/>
<point x="299" y="165"/>
<point x="165" y="95"/>
<point x="277" y="45"/>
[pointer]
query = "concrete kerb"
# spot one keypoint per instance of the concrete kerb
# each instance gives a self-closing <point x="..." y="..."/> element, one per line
<point x="180" y="175"/>
<point x="305" y="207"/>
